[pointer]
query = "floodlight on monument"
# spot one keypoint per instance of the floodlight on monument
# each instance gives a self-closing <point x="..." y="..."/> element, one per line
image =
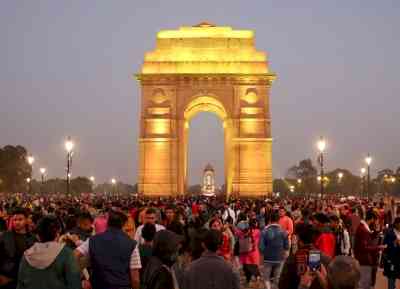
<point x="92" y="179"/>
<point x="113" y="181"/>
<point x="299" y="181"/>
<point x="393" y="179"/>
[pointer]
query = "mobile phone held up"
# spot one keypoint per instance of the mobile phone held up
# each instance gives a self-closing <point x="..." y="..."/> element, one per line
<point x="314" y="260"/>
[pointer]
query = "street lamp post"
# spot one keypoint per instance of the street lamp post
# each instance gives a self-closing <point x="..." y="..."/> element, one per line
<point x="340" y="177"/>
<point x="69" y="146"/>
<point x="368" y="161"/>
<point x="321" y="147"/>
<point x="113" y="183"/>
<point x="363" y="170"/>
<point x="42" y="173"/>
<point x="92" y="179"/>
<point x="392" y="180"/>
<point x="291" y="188"/>
<point x="30" y="160"/>
<point x="299" y="182"/>
<point x="28" y="180"/>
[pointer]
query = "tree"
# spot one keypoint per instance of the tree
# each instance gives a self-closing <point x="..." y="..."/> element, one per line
<point x="14" y="168"/>
<point x="194" y="189"/>
<point x="81" y="185"/>
<point x="280" y="186"/>
<point x="348" y="185"/>
<point x="305" y="171"/>
<point x="119" y="188"/>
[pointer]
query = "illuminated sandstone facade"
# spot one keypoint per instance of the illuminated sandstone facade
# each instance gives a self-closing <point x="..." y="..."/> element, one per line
<point x="196" y="69"/>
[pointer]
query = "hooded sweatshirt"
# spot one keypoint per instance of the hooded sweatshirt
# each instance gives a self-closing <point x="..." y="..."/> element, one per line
<point x="49" y="265"/>
<point x="42" y="255"/>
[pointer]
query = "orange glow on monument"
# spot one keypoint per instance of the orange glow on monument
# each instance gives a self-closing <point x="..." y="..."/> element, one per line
<point x="205" y="49"/>
<point x="197" y="69"/>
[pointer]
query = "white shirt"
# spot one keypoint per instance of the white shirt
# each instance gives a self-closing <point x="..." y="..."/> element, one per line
<point x="138" y="234"/>
<point x="229" y="213"/>
<point x="134" y="262"/>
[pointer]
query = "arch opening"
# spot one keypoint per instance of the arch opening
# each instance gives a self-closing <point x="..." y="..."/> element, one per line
<point x="205" y="146"/>
<point x="205" y="104"/>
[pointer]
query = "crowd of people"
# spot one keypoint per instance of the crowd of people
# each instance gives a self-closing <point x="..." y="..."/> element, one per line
<point x="99" y="242"/>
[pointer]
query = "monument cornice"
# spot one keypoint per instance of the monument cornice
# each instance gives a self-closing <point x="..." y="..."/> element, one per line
<point x="235" y="78"/>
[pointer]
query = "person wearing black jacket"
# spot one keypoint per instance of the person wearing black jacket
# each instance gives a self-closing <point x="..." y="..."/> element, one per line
<point x="391" y="255"/>
<point x="13" y="244"/>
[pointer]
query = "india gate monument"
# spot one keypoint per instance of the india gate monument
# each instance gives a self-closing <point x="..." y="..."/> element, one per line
<point x="205" y="68"/>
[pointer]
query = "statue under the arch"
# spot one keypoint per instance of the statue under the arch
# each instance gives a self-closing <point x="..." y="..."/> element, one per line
<point x="205" y="68"/>
<point x="208" y="187"/>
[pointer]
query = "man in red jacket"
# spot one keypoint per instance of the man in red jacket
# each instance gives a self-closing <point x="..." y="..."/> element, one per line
<point x="326" y="240"/>
<point x="364" y="251"/>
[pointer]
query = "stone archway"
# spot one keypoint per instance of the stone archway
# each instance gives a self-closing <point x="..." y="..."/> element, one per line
<point x="205" y="68"/>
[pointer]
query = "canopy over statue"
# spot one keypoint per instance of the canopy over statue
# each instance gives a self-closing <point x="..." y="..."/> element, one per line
<point x="205" y="68"/>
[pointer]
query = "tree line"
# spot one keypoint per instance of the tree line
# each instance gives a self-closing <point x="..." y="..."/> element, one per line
<point x="386" y="181"/>
<point x="15" y="170"/>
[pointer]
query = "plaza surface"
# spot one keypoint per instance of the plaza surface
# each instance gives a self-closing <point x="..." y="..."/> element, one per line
<point x="381" y="282"/>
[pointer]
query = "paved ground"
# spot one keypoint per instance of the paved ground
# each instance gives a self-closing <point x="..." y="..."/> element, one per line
<point x="381" y="283"/>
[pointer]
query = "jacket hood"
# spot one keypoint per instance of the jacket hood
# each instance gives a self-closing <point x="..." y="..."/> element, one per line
<point x="42" y="255"/>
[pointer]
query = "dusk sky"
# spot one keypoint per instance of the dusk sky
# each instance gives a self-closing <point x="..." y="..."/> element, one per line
<point x="66" y="69"/>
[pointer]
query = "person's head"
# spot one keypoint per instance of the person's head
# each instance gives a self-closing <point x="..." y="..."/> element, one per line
<point x="48" y="229"/>
<point x="166" y="246"/>
<point x="20" y="218"/>
<point x="305" y="234"/>
<point x="212" y="240"/>
<point x="321" y="220"/>
<point x="116" y="220"/>
<point x="275" y="216"/>
<point x="148" y="232"/>
<point x="3" y="225"/>
<point x="216" y="224"/>
<point x="396" y="223"/>
<point x="282" y="212"/>
<point x="335" y="221"/>
<point x="344" y="273"/>
<point x="306" y="213"/>
<point x="150" y="216"/>
<point x="371" y="218"/>
<point x="169" y="213"/>
<point x="254" y="224"/>
<point x="85" y="221"/>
